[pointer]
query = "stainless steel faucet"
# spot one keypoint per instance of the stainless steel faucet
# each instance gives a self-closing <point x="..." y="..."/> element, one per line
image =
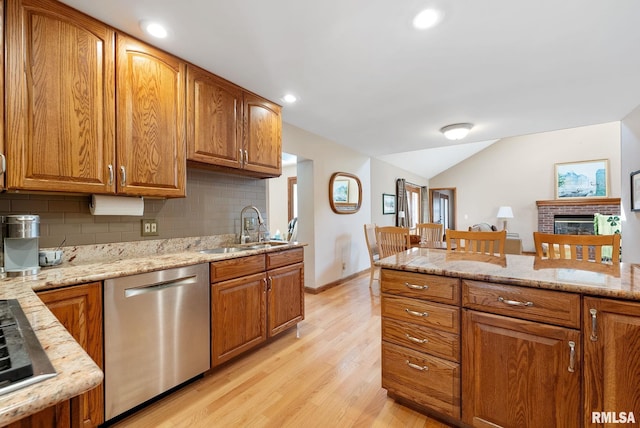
<point x="244" y="234"/>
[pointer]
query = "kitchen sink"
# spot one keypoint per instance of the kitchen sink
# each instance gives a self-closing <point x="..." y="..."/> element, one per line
<point x="223" y="250"/>
<point x="243" y="247"/>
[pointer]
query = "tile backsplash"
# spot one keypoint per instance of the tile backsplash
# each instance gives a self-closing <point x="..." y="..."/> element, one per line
<point x="212" y="207"/>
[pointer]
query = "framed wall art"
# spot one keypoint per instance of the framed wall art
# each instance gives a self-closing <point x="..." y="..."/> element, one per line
<point x="388" y="204"/>
<point x="585" y="179"/>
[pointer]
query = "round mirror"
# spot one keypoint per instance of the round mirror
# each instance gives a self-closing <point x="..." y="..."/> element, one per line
<point x="345" y="193"/>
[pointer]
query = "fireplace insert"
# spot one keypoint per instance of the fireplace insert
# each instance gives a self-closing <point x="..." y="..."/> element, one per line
<point x="573" y="224"/>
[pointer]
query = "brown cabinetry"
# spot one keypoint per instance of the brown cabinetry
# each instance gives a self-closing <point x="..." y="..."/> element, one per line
<point x="516" y="372"/>
<point x="285" y="287"/>
<point x="61" y="92"/>
<point x="60" y="111"/>
<point x="230" y="128"/>
<point x="611" y="360"/>
<point x="421" y="340"/>
<point x="254" y="298"/>
<point x="79" y="310"/>
<point x="151" y="121"/>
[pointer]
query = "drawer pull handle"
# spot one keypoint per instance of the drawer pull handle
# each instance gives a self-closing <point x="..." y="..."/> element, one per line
<point x="416" y="314"/>
<point x="416" y="366"/>
<point x="416" y="287"/>
<point x="514" y="302"/>
<point x="415" y="339"/>
<point x="594" y="325"/>
<point x="572" y="356"/>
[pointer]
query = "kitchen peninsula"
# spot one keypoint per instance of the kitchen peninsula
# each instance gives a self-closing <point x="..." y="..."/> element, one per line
<point x="76" y="370"/>
<point x="510" y="341"/>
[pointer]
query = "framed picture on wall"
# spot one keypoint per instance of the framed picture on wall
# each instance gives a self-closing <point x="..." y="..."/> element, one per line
<point x="635" y="191"/>
<point x="388" y="204"/>
<point x="584" y="179"/>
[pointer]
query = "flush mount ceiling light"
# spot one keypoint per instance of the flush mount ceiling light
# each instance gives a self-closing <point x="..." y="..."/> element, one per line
<point x="427" y="18"/>
<point x="456" y="131"/>
<point x="154" y="29"/>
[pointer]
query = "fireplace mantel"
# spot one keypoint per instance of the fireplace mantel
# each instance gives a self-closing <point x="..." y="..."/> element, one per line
<point x="579" y="201"/>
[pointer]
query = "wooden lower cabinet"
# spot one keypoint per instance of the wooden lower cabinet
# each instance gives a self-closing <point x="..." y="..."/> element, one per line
<point x="518" y="373"/>
<point x="79" y="309"/>
<point x="254" y="298"/>
<point x="238" y="316"/>
<point x="285" y="297"/>
<point x="611" y="361"/>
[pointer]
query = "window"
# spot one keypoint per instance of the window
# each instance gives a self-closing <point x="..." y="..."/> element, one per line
<point x="414" y="198"/>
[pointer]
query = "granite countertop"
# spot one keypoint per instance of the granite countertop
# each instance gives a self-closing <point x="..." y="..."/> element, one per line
<point x="589" y="278"/>
<point x="77" y="373"/>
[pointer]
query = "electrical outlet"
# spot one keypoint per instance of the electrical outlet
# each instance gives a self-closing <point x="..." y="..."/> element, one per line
<point x="149" y="227"/>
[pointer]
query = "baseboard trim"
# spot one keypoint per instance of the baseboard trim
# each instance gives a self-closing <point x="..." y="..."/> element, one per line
<point x="335" y="283"/>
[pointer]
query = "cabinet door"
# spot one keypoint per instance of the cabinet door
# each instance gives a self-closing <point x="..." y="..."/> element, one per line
<point x="262" y="136"/>
<point x="151" y="121"/>
<point x="611" y="359"/>
<point x="60" y="99"/>
<point x="285" y="297"/>
<point x="214" y="119"/>
<point x="518" y="373"/>
<point x="79" y="310"/>
<point x="58" y="416"/>
<point x="238" y="316"/>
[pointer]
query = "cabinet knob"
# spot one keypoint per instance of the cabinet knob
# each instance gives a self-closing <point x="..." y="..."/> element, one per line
<point x="110" y="168"/>
<point x="416" y="287"/>
<point x="514" y="302"/>
<point x="3" y="164"/>
<point x="416" y="314"/>
<point x="416" y="366"/>
<point x="123" y="176"/>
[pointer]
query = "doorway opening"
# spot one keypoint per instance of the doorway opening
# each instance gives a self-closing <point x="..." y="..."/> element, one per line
<point x="442" y="206"/>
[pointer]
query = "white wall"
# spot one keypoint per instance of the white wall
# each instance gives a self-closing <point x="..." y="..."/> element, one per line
<point x="335" y="240"/>
<point x="518" y="171"/>
<point x="630" y="148"/>
<point x="278" y="200"/>
<point x="383" y="180"/>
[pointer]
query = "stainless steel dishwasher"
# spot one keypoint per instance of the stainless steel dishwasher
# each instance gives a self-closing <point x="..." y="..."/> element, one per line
<point x="156" y="334"/>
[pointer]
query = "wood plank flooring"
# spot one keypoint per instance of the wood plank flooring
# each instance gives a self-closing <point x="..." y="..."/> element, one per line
<point x="329" y="377"/>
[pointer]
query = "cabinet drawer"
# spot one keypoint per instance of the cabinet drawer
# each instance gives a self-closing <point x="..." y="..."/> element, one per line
<point x="423" y="339"/>
<point x="283" y="258"/>
<point x="436" y="315"/>
<point x="421" y="378"/>
<point x="549" y="306"/>
<point x="235" y="268"/>
<point x="421" y="286"/>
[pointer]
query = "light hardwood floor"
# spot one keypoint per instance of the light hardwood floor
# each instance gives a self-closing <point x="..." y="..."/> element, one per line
<point x="329" y="377"/>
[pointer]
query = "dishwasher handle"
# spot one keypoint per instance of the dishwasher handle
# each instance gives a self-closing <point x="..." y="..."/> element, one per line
<point x="150" y="288"/>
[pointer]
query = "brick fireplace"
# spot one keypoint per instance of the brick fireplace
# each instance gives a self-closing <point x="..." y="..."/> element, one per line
<point x="548" y="210"/>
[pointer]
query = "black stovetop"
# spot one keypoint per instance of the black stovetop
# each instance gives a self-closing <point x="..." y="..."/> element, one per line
<point x="22" y="359"/>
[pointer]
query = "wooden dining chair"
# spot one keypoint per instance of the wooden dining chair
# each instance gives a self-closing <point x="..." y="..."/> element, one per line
<point x="372" y="246"/>
<point x="429" y="232"/>
<point x="392" y="240"/>
<point x="598" y="248"/>
<point x="463" y="241"/>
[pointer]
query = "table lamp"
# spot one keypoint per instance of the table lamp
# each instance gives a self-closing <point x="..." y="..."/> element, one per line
<point x="505" y="213"/>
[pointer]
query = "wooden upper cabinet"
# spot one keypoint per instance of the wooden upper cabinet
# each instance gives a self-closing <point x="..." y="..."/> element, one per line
<point x="60" y="93"/>
<point x="151" y="121"/>
<point x="214" y="119"/>
<point x="262" y="136"/>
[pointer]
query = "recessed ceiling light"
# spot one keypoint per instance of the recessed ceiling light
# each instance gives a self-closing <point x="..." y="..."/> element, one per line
<point x="289" y="98"/>
<point x="154" y="29"/>
<point x="456" y="131"/>
<point x="427" y="18"/>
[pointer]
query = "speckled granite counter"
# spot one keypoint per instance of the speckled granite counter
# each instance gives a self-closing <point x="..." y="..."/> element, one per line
<point x="623" y="283"/>
<point x="77" y="373"/>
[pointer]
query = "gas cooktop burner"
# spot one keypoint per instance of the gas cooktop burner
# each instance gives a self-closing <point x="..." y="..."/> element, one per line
<point x="22" y="359"/>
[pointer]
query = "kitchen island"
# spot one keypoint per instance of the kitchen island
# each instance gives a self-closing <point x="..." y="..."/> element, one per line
<point x="511" y="341"/>
<point x="76" y="370"/>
